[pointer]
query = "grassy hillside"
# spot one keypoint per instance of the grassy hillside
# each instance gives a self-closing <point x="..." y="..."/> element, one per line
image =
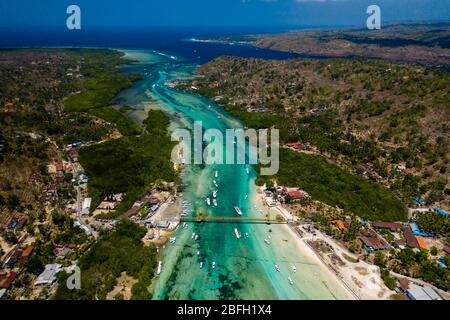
<point x="368" y="117"/>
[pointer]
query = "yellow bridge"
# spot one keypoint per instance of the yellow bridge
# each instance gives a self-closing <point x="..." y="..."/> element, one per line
<point x="232" y="219"/>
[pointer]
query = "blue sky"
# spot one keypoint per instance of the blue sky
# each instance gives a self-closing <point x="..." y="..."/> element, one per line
<point x="276" y="13"/>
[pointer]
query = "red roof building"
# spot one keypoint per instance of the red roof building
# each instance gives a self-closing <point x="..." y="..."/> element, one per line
<point x="375" y="243"/>
<point x="9" y="280"/>
<point x="296" y="195"/>
<point x="411" y="240"/>
<point x="393" y="226"/>
<point x="295" y="145"/>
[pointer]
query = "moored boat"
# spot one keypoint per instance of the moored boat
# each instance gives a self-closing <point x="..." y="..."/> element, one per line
<point x="238" y="210"/>
<point x="291" y="282"/>
<point x="237" y="234"/>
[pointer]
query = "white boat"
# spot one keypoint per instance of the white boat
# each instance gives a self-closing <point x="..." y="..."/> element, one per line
<point x="196" y="237"/>
<point x="213" y="264"/>
<point x="267" y="241"/>
<point x="247" y="169"/>
<point x="238" y="210"/>
<point x="159" y="267"/>
<point x="216" y="173"/>
<point x="294" y="268"/>
<point x="215" y="183"/>
<point x="201" y="265"/>
<point x="208" y="201"/>
<point x="215" y="202"/>
<point x="246" y="196"/>
<point x="193" y="235"/>
<point x="215" y="194"/>
<point x="277" y="268"/>
<point x="198" y="253"/>
<point x="236" y="233"/>
<point x="290" y="281"/>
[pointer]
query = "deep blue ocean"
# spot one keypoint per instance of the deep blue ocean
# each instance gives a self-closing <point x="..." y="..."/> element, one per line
<point x="173" y="41"/>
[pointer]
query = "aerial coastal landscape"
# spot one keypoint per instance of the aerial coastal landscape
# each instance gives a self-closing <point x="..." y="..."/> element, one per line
<point x="94" y="207"/>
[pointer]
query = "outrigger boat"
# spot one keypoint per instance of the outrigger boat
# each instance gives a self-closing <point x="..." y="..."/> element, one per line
<point x="193" y="235"/>
<point x="215" y="194"/>
<point x="208" y="201"/>
<point x="215" y="202"/>
<point x="267" y="241"/>
<point x="238" y="210"/>
<point x="277" y="268"/>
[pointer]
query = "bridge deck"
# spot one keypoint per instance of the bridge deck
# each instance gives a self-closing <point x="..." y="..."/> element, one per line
<point x="232" y="219"/>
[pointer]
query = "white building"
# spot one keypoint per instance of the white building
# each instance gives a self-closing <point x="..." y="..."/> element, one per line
<point x="48" y="276"/>
<point x="416" y="292"/>
<point x="86" y="206"/>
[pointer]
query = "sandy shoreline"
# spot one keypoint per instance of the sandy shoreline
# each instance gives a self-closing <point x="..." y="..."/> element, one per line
<point x="359" y="279"/>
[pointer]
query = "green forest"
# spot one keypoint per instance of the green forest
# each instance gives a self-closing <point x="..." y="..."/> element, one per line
<point x="328" y="183"/>
<point x="130" y="164"/>
<point x="119" y="251"/>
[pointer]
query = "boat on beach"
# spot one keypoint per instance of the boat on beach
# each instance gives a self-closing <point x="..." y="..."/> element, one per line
<point x="267" y="241"/>
<point x="277" y="268"/>
<point x="238" y="210"/>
